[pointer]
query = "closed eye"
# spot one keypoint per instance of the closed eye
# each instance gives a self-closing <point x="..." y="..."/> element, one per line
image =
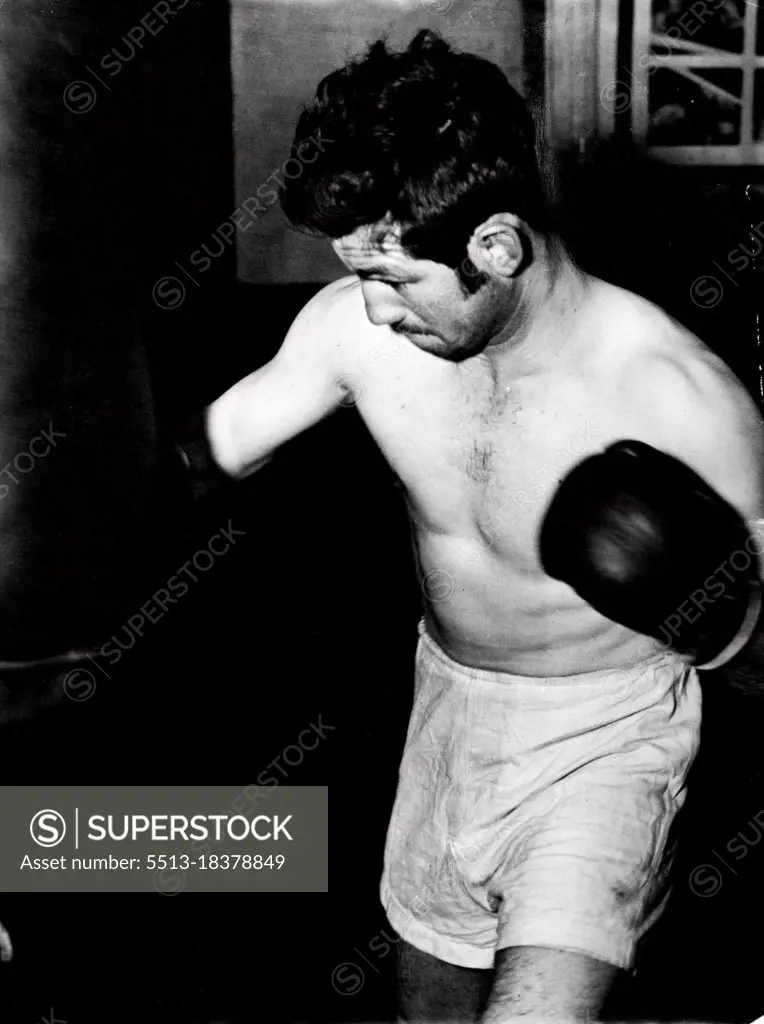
<point x="381" y="280"/>
<point x="370" y="275"/>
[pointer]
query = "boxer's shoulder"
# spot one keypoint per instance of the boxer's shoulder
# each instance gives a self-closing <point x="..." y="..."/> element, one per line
<point x="354" y="343"/>
<point x="326" y="312"/>
<point x="653" y="361"/>
<point x="343" y="299"/>
<point x="317" y="339"/>
<point x="674" y="393"/>
<point x="333" y="317"/>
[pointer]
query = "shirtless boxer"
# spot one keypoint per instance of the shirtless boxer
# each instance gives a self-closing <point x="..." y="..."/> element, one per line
<point x="528" y="843"/>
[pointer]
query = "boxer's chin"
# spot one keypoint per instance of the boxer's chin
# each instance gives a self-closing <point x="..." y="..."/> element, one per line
<point x="459" y="351"/>
<point x="436" y="345"/>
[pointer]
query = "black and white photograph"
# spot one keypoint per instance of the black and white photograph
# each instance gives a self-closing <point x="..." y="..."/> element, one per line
<point x="381" y="511"/>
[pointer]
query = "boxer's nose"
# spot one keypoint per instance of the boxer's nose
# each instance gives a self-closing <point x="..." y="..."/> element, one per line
<point x="382" y="304"/>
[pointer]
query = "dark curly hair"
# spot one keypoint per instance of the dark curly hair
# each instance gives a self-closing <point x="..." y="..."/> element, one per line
<point x="437" y="139"/>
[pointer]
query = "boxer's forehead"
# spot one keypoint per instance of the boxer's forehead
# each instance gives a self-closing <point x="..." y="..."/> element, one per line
<point x="375" y="250"/>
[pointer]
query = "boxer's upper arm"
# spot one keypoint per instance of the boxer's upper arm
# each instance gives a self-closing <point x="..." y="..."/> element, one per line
<point x="709" y="421"/>
<point x="289" y="394"/>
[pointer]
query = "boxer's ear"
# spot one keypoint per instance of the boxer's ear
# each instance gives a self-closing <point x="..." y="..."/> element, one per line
<point x="499" y="247"/>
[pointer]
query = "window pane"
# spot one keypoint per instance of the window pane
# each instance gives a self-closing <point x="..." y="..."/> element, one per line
<point x="696" y="108"/>
<point x="758" y="107"/>
<point x="717" y="24"/>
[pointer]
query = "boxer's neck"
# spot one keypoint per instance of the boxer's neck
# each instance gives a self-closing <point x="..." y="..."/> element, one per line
<point x="539" y="320"/>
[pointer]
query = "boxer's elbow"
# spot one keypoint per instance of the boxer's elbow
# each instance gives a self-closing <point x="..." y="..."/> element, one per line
<point x="236" y="449"/>
<point x="246" y="467"/>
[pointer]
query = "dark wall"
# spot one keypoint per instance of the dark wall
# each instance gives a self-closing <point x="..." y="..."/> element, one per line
<point x="182" y="82"/>
<point x="677" y="235"/>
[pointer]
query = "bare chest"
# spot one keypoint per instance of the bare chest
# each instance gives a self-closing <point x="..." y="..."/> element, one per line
<point x="480" y="459"/>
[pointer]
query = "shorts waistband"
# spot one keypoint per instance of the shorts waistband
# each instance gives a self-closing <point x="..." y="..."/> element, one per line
<point x="663" y="667"/>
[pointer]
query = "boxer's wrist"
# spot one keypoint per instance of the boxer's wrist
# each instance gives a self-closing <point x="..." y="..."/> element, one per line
<point x="196" y="460"/>
<point x="743" y="643"/>
<point x="190" y="485"/>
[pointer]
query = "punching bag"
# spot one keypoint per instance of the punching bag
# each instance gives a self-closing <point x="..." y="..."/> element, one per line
<point x="76" y="426"/>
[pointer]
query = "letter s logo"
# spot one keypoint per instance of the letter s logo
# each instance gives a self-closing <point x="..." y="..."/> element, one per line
<point x="47" y="828"/>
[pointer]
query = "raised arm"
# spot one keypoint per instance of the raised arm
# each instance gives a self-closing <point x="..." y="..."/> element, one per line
<point x="295" y="390"/>
<point x="660" y="533"/>
<point x="704" y="417"/>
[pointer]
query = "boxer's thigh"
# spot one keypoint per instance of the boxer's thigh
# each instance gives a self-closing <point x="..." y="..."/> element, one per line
<point x="533" y="984"/>
<point x="430" y="990"/>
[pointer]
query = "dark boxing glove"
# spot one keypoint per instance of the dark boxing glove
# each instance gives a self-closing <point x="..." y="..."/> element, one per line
<point x="195" y="462"/>
<point x="190" y="484"/>
<point x="644" y="540"/>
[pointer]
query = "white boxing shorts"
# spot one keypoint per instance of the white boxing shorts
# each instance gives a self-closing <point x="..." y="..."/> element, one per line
<point x="536" y="811"/>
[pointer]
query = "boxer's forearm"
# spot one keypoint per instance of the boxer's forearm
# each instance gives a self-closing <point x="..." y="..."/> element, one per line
<point x="232" y="447"/>
<point x="301" y="385"/>
<point x="255" y="418"/>
<point x="207" y="455"/>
